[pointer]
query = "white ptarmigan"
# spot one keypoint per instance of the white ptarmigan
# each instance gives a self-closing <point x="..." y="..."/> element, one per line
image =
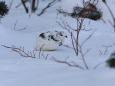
<point x="50" y="40"/>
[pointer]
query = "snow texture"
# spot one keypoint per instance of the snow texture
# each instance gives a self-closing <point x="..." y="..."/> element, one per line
<point x="16" y="70"/>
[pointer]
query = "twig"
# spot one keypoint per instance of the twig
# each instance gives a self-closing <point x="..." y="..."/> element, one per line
<point x="65" y="62"/>
<point x="23" y="3"/>
<point x="99" y="64"/>
<point x="34" y="5"/>
<point x="40" y="51"/>
<point x="49" y="5"/>
<point x="100" y="52"/>
<point x="73" y="44"/>
<point x="67" y="46"/>
<point x="45" y="56"/>
<point x="21" y="51"/>
<point x="87" y="38"/>
<point x="23" y="28"/>
<point x="112" y="15"/>
<point x="83" y="57"/>
<point x="15" y="25"/>
<point x="106" y="50"/>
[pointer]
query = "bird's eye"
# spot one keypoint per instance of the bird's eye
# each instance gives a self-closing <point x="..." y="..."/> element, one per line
<point x="60" y="34"/>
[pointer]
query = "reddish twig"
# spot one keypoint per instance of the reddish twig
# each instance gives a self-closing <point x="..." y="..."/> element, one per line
<point x="40" y="51"/>
<point x="83" y="57"/>
<point x="22" y="52"/>
<point x="67" y="63"/>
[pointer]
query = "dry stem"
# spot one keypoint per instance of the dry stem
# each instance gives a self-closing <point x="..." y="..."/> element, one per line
<point x="66" y="62"/>
<point x="21" y="51"/>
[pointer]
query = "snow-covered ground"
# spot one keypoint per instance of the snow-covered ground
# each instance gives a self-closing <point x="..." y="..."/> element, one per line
<point x="16" y="70"/>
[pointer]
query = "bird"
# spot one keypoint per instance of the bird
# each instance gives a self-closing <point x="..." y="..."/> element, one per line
<point x="50" y="40"/>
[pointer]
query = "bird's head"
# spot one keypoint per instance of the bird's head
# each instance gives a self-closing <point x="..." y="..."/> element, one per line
<point x="61" y="35"/>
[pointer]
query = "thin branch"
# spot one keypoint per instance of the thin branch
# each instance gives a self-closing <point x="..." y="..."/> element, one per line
<point x="23" y="3"/>
<point x="87" y="38"/>
<point x="41" y="50"/>
<point x="67" y="46"/>
<point x="49" y="5"/>
<point x="21" y="51"/>
<point x="83" y="57"/>
<point x="15" y="25"/>
<point x="100" y="52"/>
<point x="112" y="15"/>
<point x="45" y="56"/>
<point x="99" y="64"/>
<point x="73" y="44"/>
<point x="67" y="63"/>
<point x="106" y="48"/>
<point x="34" y="5"/>
<point x="23" y="28"/>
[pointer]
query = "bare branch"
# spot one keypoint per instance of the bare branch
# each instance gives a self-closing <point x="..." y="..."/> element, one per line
<point x="45" y="56"/>
<point x="25" y="7"/>
<point x="67" y="46"/>
<point x="100" y="52"/>
<point x="49" y="5"/>
<point x="87" y="38"/>
<point x="34" y="5"/>
<point x="65" y="62"/>
<point x="21" y="51"/>
<point x="105" y="50"/>
<point x="40" y="51"/>
<point x="112" y="15"/>
<point x="21" y="3"/>
<point x="83" y="57"/>
<point x="23" y="28"/>
<point x="99" y="64"/>
<point x="15" y="25"/>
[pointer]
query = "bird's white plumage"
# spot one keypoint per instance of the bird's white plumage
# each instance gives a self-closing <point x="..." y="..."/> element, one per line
<point x="50" y="40"/>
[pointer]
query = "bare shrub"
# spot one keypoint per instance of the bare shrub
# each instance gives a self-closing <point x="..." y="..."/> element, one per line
<point x="89" y="10"/>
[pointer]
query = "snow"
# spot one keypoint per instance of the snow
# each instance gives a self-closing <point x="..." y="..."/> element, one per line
<point x="16" y="70"/>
